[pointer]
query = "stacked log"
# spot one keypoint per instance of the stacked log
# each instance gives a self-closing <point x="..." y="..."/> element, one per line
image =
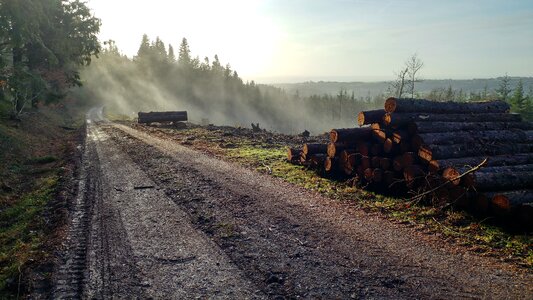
<point x="427" y="147"/>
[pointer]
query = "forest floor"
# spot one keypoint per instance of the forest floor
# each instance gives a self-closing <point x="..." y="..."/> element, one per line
<point x="217" y="212"/>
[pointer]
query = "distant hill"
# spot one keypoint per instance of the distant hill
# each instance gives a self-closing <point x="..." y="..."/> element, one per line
<point x="363" y="89"/>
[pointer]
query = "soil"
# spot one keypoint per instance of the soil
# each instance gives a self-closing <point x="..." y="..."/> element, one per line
<point x="158" y="220"/>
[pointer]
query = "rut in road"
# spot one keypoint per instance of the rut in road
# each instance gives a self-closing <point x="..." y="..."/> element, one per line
<point x="294" y="243"/>
<point x="137" y="243"/>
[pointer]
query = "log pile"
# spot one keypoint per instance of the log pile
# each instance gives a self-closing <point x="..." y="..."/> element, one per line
<point x="473" y="155"/>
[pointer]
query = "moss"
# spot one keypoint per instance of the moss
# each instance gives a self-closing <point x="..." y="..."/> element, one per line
<point x="22" y="233"/>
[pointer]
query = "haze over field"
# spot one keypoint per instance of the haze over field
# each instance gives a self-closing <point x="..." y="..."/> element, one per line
<point x="292" y="41"/>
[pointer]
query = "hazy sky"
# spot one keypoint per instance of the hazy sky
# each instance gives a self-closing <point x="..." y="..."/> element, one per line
<point x="294" y="40"/>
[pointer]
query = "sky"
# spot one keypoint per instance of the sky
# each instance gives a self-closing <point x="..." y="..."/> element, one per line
<point x="274" y="41"/>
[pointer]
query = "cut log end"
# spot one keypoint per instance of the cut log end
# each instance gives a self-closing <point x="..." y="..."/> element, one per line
<point x="390" y="105"/>
<point x="451" y="175"/>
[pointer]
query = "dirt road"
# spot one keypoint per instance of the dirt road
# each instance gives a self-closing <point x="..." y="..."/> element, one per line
<point x="154" y="219"/>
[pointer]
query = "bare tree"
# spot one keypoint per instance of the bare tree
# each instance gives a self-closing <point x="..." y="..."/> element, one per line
<point x="407" y="77"/>
<point x="397" y="87"/>
<point x="413" y="65"/>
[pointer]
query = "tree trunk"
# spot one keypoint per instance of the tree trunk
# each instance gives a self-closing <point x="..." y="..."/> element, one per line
<point x="474" y="137"/>
<point x="439" y="152"/>
<point x="349" y="135"/>
<point x="422" y="105"/>
<point x="404" y="119"/>
<point x="492" y="161"/>
<point x="310" y="149"/>
<point x="370" y="116"/>
<point x="431" y="127"/>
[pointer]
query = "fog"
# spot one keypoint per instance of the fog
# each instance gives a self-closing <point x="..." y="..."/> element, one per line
<point x="155" y="80"/>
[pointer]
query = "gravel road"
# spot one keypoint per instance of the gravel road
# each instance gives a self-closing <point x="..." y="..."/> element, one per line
<point x="154" y="219"/>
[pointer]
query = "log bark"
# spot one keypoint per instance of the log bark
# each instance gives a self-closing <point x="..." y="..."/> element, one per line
<point x="363" y="148"/>
<point x="349" y="135"/>
<point x="474" y="137"/>
<point x="504" y="180"/>
<point x="310" y="149"/>
<point x="404" y="119"/>
<point x="163" y="116"/>
<point x="439" y="152"/>
<point x="493" y="161"/>
<point x="370" y="116"/>
<point x="431" y="127"/>
<point x="422" y="105"/>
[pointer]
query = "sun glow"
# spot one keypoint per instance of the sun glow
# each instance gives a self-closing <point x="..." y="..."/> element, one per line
<point x="235" y="30"/>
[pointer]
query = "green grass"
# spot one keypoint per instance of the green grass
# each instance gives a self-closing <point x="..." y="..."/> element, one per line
<point x="22" y="233"/>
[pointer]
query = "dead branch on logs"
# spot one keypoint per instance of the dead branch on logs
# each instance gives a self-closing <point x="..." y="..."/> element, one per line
<point x="422" y="195"/>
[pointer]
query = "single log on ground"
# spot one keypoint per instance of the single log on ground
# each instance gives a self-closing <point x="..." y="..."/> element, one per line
<point x="293" y="155"/>
<point x="429" y="127"/>
<point x="370" y="116"/>
<point x="310" y="149"/>
<point x="349" y="135"/>
<point x="439" y="152"/>
<point x="492" y="161"/>
<point x="504" y="180"/>
<point x="334" y="149"/>
<point x="463" y="137"/>
<point x="404" y="119"/>
<point x="162" y="116"/>
<point x="399" y="105"/>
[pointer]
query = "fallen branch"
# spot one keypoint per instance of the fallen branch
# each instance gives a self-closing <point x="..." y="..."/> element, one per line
<point x="474" y="169"/>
